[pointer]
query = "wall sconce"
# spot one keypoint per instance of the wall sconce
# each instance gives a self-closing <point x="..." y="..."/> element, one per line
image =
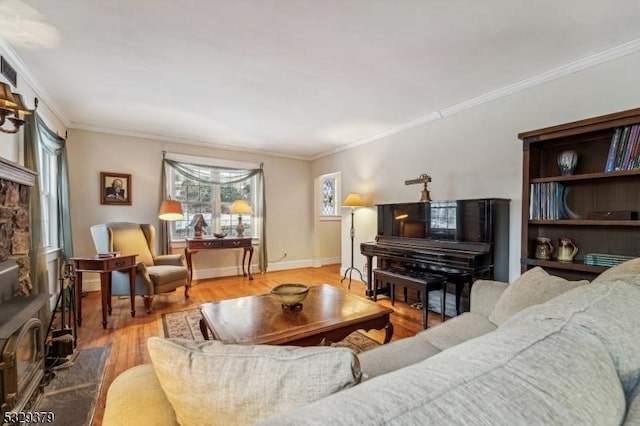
<point x="171" y="210"/>
<point x="11" y="106"/>
<point x="240" y="207"/>
<point x="424" y="178"/>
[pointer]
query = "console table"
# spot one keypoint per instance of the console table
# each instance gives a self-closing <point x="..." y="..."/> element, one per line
<point x="104" y="266"/>
<point x="194" y="245"/>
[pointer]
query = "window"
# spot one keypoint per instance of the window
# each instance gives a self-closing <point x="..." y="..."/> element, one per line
<point x="330" y="195"/>
<point x="48" y="180"/>
<point x="213" y="201"/>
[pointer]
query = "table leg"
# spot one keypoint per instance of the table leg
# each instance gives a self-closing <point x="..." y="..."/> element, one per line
<point x="78" y="297"/>
<point x="388" y="333"/>
<point x="109" y="294"/>
<point x="244" y="256"/>
<point x="203" y="329"/>
<point x="104" y="291"/>
<point x="425" y="306"/>
<point x="249" y="263"/>
<point x="187" y="255"/>
<point x="132" y="290"/>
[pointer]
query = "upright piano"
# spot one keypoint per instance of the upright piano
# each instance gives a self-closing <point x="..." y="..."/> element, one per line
<point x="462" y="240"/>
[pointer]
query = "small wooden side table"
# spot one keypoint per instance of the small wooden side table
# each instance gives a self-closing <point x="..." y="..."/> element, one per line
<point x="196" y="244"/>
<point x="104" y="266"/>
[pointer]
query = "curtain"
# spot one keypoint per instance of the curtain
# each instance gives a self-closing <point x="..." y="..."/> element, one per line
<point x="37" y="255"/>
<point x="198" y="173"/>
<point x="56" y="146"/>
<point x="37" y="134"/>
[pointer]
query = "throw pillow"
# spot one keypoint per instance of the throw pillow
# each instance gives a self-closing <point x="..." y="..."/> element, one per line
<point x="531" y="288"/>
<point x="210" y="383"/>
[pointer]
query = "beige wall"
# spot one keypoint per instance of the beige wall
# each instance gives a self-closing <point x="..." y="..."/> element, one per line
<point x="288" y="194"/>
<point x="476" y="153"/>
<point x="470" y="154"/>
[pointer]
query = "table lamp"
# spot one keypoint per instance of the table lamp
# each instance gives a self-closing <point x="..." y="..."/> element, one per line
<point x="240" y="207"/>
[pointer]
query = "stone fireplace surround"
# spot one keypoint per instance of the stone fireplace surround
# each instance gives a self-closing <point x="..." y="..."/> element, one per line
<point x="21" y="331"/>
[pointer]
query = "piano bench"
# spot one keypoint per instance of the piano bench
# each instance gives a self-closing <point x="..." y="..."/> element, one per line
<point x="423" y="282"/>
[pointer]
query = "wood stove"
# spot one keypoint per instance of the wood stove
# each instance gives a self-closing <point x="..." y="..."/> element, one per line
<point x="21" y="341"/>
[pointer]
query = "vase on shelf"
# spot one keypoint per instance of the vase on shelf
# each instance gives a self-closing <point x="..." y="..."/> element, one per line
<point x="567" y="161"/>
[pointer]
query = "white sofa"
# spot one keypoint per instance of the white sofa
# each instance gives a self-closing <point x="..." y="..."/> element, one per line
<point x="540" y="351"/>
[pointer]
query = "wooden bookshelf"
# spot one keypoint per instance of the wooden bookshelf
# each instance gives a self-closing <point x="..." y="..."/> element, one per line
<point x="588" y="189"/>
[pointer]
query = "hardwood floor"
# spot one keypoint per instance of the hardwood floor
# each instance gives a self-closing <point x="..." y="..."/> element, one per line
<point x="128" y="336"/>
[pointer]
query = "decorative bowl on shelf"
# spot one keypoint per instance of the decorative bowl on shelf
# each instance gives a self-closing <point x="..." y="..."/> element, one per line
<point x="290" y="296"/>
<point x="567" y="161"/>
<point x="215" y="234"/>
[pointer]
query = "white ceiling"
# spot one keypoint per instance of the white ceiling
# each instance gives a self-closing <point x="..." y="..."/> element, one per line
<point x="299" y="78"/>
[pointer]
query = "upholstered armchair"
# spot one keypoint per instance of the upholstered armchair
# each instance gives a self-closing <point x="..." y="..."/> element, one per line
<point x="154" y="274"/>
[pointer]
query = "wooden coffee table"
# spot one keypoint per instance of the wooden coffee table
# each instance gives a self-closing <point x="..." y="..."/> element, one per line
<point x="328" y="314"/>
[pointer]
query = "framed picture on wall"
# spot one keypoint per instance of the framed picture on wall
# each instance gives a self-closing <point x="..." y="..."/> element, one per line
<point x="115" y="188"/>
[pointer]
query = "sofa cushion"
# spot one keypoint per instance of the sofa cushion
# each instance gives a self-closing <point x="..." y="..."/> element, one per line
<point x="522" y="375"/>
<point x="457" y="330"/>
<point x="609" y="311"/>
<point x="628" y="272"/>
<point x="531" y="288"/>
<point x="633" y="409"/>
<point x="394" y="355"/>
<point x="211" y="383"/>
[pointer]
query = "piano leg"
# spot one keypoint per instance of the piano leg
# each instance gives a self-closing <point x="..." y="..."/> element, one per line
<point x="369" y="293"/>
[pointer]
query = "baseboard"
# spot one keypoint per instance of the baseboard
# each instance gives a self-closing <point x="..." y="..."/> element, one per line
<point x="204" y="273"/>
<point x="326" y="261"/>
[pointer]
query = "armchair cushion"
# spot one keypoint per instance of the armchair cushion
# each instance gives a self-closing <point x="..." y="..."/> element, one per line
<point x="131" y="240"/>
<point x="165" y="274"/>
<point x="210" y="383"/>
<point x="170" y="259"/>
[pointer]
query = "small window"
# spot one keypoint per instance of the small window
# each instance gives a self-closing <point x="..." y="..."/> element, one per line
<point x="330" y="195"/>
<point x="48" y="180"/>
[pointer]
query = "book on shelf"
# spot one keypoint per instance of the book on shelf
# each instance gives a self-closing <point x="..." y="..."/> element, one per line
<point x="547" y="201"/>
<point x="624" y="151"/>
<point x="604" y="259"/>
<point x="613" y="148"/>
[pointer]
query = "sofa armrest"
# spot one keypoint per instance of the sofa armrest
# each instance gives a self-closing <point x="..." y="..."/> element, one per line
<point x="170" y="259"/>
<point x="484" y="295"/>
<point x="136" y="398"/>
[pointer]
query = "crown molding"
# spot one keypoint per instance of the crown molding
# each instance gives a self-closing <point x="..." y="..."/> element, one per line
<point x="553" y="74"/>
<point x="184" y="141"/>
<point x="25" y="74"/>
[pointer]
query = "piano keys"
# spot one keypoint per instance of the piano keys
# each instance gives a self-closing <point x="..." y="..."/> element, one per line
<point x="462" y="240"/>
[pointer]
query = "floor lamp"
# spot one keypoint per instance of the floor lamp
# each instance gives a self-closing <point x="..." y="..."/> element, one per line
<point x="353" y="201"/>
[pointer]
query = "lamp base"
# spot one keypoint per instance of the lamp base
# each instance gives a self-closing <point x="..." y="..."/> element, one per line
<point x="240" y="227"/>
<point x="350" y="270"/>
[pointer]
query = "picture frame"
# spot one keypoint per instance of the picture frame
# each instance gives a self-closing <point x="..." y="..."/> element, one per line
<point x="115" y="189"/>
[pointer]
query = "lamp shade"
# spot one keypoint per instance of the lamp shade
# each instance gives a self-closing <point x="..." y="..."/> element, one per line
<point x="241" y="207"/>
<point x="7" y="99"/>
<point x="170" y="210"/>
<point x="353" y="200"/>
<point x="20" y="107"/>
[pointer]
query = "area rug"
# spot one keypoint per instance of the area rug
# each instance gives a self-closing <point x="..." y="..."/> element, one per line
<point x="186" y="324"/>
<point x="73" y="391"/>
